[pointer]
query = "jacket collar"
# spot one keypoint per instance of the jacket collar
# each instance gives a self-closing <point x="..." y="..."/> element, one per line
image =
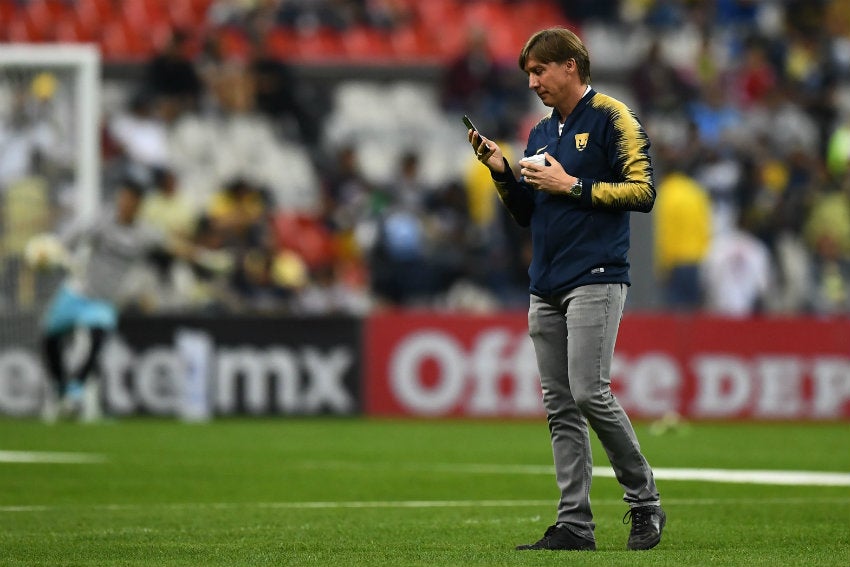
<point x="582" y="103"/>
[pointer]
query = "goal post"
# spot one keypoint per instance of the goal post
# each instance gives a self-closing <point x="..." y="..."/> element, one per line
<point x="50" y="174"/>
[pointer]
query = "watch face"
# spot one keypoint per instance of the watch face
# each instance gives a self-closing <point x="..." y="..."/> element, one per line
<point x="576" y="189"/>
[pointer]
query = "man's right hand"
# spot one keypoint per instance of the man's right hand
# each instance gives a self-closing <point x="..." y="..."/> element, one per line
<point x="487" y="151"/>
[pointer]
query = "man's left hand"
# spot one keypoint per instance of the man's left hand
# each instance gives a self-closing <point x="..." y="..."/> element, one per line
<point x="550" y="178"/>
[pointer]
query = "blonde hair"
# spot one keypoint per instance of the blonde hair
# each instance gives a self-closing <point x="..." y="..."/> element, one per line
<point x="557" y="45"/>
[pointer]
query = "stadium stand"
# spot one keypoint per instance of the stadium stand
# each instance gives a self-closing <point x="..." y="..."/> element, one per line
<point x="761" y="93"/>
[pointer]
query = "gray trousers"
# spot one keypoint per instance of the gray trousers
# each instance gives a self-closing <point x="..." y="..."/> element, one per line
<point x="574" y="336"/>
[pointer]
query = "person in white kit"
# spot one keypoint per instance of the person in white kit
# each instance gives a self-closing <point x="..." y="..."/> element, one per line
<point x="736" y="273"/>
<point x="105" y="250"/>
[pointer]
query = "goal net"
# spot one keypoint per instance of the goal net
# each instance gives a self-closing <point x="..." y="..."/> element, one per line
<point x="49" y="176"/>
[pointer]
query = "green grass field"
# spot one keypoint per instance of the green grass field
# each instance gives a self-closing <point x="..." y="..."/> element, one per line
<point x="342" y="492"/>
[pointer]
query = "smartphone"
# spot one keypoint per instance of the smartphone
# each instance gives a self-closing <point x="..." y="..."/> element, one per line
<point x="472" y="127"/>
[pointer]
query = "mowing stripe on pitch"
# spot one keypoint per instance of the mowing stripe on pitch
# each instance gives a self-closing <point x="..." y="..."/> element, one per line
<point x="417" y="504"/>
<point x="50" y="457"/>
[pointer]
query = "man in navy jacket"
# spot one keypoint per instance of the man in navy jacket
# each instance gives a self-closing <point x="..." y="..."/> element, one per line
<point x="576" y="199"/>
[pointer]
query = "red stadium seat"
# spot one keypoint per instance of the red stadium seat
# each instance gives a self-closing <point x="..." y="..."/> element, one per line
<point x="500" y="22"/>
<point x="305" y="235"/>
<point x="435" y="14"/>
<point x="450" y="39"/>
<point x="321" y="45"/>
<point x="70" y="31"/>
<point x="133" y="28"/>
<point x="234" y="44"/>
<point x="145" y="12"/>
<point x="42" y="16"/>
<point x="281" y="43"/>
<point x="121" y="41"/>
<point x="19" y="31"/>
<point x="92" y="16"/>
<point x="8" y="14"/>
<point x="411" y="44"/>
<point x="366" y="45"/>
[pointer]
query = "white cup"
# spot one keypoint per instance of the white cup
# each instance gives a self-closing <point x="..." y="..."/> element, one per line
<point x="537" y="159"/>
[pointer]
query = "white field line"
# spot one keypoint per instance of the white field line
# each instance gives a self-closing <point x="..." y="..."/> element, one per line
<point x="416" y="504"/>
<point x="778" y="478"/>
<point x="50" y="457"/>
<point x="767" y="477"/>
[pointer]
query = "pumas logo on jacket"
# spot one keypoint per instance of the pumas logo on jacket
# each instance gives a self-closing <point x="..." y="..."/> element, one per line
<point x="581" y="141"/>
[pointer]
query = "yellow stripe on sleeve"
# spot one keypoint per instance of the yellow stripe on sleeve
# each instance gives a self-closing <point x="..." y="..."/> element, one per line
<point x="636" y="191"/>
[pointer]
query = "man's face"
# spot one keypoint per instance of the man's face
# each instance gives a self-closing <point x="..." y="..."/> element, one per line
<point x="549" y="80"/>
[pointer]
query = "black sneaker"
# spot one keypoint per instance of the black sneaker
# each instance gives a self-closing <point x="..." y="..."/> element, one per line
<point x="560" y="537"/>
<point x="647" y="524"/>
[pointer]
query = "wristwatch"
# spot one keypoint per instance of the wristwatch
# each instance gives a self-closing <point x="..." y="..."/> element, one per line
<point x="575" y="190"/>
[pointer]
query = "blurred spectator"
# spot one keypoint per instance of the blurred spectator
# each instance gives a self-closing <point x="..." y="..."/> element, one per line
<point x="811" y="77"/>
<point x="306" y="236"/>
<point x="278" y="95"/>
<point x="838" y="150"/>
<point x="238" y="212"/>
<point x="385" y="14"/>
<point x="479" y="264"/>
<point x="140" y="134"/>
<point x="472" y="74"/>
<point x="208" y="289"/>
<point x="229" y="12"/>
<point x="266" y="281"/>
<point x="827" y="231"/>
<point x="265" y="277"/>
<point x="787" y="218"/>
<point x="497" y="248"/>
<point x="400" y="268"/>
<point x="348" y="198"/>
<point x="737" y="273"/>
<point x="474" y="83"/>
<point x="25" y="211"/>
<point x="716" y="118"/>
<point x="658" y="86"/>
<point x="722" y="174"/>
<point x="408" y="189"/>
<point x="167" y="208"/>
<point x="780" y="125"/>
<point x="708" y="65"/>
<point x="171" y="76"/>
<point x="330" y="294"/>
<point x="756" y="77"/>
<point x="737" y="14"/>
<point x="341" y="15"/>
<point x="254" y="17"/>
<point x="231" y="87"/>
<point x="483" y="200"/>
<point x="589" y="10"/>
<point x="34" y="128"/>
<point x="682" y="238"/>
<point x="412" y="262"/>
<point x="400" y="275"/>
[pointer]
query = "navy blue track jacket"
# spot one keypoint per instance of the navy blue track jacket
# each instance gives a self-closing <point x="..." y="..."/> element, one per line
<point x="584" y="241"/>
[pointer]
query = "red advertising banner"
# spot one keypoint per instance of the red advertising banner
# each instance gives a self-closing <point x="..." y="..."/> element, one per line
<point x="699" y="367"/>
